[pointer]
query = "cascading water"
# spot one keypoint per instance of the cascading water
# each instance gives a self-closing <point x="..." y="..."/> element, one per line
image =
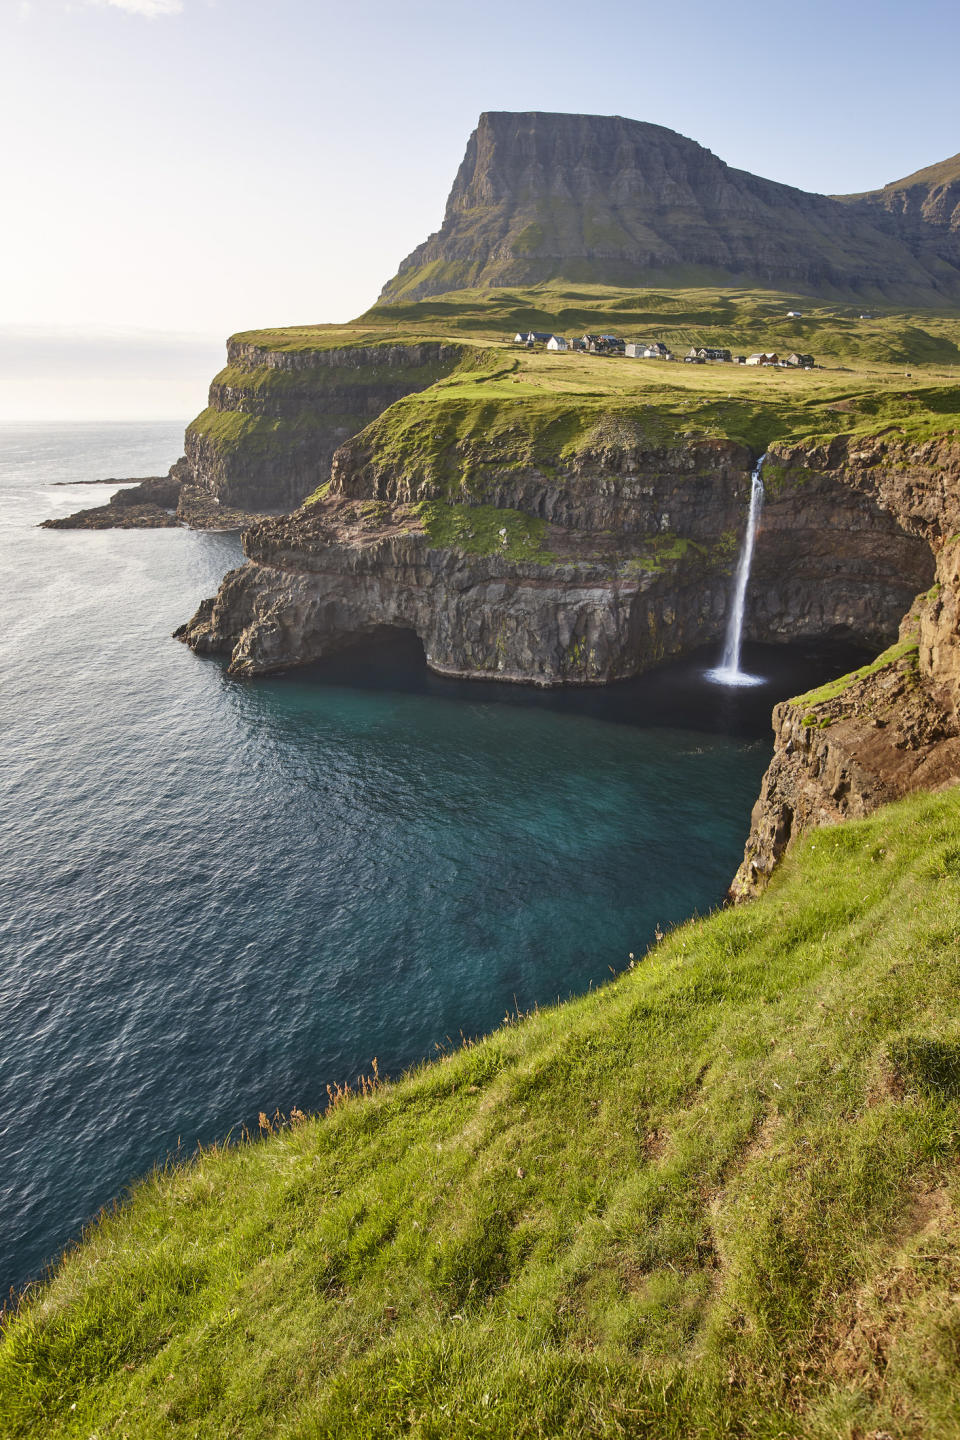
<point x="728" y="672"/>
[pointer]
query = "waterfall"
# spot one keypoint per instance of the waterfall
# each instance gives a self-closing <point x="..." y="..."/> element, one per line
<point x="729" y="672"/>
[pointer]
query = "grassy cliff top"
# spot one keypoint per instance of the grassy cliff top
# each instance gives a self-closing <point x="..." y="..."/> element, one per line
<point x="739" y="320"/>
<point x="544" y="409"/>
<point x="863" y="385"/>
<point x="720" y="1196"/>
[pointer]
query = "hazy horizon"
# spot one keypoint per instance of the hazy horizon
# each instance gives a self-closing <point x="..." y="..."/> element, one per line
<point x="184" y="169"/>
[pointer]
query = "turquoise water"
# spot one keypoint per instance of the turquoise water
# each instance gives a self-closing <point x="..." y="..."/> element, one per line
<point x="219" y="897"/>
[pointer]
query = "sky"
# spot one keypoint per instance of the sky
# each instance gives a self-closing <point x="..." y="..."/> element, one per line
<point x="177" y="170"/>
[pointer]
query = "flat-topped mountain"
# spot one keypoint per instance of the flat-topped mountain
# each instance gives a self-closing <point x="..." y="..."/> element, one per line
<point x="600" y="198"/>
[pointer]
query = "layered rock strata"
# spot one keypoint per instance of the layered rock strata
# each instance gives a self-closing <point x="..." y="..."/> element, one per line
<point x="891" y="727"/>
<point x="634" y="551"/>
<point x="276" y="416"/>
<point x="585" y="610"/>
<point x="608" y="200"/>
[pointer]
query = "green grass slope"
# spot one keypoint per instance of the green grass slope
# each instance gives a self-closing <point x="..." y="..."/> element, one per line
<point x="739" y="319"/>
<point x="717" y="1197"/>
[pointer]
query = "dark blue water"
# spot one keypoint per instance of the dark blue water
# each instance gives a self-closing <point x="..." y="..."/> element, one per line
<point x="217" y="897"/>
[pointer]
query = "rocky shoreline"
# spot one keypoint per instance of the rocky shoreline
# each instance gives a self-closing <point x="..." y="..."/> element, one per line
<point x="157" y="502"/>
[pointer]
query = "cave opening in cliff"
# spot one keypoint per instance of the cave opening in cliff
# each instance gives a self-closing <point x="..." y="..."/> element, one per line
<point x="383" y="657"/>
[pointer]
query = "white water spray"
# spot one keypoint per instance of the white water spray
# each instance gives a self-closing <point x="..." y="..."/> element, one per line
<point x="729" y="672"/>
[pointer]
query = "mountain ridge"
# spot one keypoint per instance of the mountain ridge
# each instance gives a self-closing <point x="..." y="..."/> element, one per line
<point x="605" y="199"/>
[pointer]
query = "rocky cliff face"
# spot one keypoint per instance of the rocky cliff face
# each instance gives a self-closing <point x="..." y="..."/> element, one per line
<point x="923" y="208"/>
<point x="631" y="565"/>
<point x="892" y="727"/>
<point x="577" y="603"/>
<point x="276" y="417"/>
<point x="615" y="201"/>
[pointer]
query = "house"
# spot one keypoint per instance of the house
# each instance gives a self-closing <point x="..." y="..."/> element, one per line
<point x="648" y="350"/>
<point x="519" y="339"/>
<point x="578" y="344"/>
<point x="694" y="357"/>
<point x="794" y="314"/>
<point x="798" y="361"/>
<point x="557" y="342"/>
<point x="762" y="358"/>
<point x="604" y="344"/>
<point x="532" y="337"/>
<point x="707" y="353"/>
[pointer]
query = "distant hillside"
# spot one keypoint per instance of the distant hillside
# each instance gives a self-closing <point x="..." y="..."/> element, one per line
<point x="603" y="199"/>
<point x="931" y="196"/>
<point x="922" y="210"/>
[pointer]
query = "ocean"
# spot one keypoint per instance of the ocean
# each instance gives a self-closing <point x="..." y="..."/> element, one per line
<point x="218" y="897"/>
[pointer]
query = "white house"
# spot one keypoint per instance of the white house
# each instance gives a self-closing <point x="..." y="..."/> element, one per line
<point x="761" y="358"/>
<point x="557" y="342"/>
<point x="794" y="314"/>
<point x="647" y="350"/>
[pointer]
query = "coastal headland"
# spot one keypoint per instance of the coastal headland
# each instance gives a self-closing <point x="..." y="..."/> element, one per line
<point x="721" y="1195"/>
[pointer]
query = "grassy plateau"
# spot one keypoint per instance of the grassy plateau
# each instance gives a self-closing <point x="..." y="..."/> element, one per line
<point x="896" y="371"/>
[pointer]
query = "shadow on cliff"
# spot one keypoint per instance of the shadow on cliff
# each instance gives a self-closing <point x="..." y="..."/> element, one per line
<point x="675" y="695"/>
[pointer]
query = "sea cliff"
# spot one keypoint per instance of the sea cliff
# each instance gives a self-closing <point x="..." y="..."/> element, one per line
<point x="593" y="562"/>
<point x="893" y="726"/>
<point x="277" y="413"/>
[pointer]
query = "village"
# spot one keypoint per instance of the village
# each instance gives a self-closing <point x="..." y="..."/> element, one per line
<point x="656" y="350"/>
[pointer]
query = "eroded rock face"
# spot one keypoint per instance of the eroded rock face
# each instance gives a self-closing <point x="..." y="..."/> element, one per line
<point x="616" y="201"/>
<point x="330" y="575"/>
<point x="634" y="568"/>
<point x="893" y="728"/>
<point x="147" y="504"/>
<point x="276" y="417"/>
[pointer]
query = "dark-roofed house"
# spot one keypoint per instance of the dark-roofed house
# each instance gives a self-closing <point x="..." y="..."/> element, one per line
<point x="798" y="361"/>
<point x="604" y="344"/>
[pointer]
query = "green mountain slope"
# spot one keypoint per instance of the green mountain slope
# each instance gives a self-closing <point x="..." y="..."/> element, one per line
<point x="600" y="199"/>
<point x="718" y="1197"/>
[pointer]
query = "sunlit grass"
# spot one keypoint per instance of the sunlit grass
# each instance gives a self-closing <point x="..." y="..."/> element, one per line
<point x="718" y="1196"/>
